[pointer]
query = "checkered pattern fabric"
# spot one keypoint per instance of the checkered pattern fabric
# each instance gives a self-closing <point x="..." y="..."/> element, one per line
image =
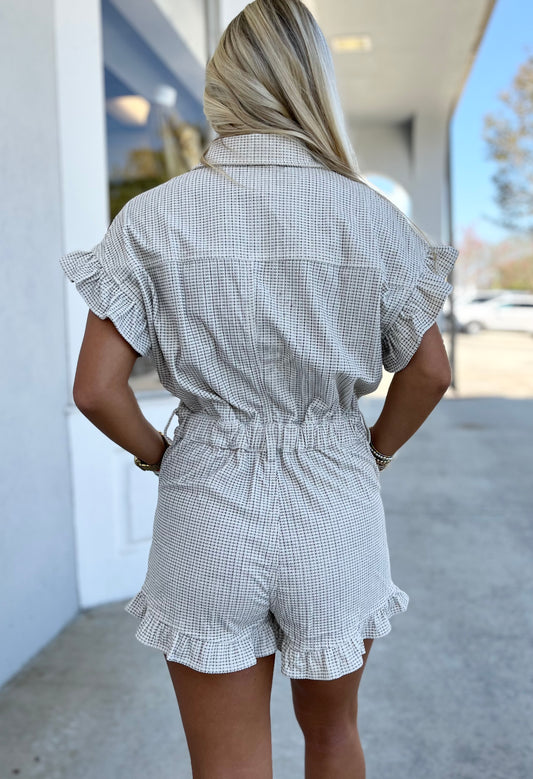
<point x="269" y="304"/>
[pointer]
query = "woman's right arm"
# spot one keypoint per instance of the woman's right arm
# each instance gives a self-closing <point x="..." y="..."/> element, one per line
<point x="413" y="394"/>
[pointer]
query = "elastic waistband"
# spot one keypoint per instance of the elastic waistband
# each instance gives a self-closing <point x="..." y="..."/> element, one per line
<point x="313" y="433"/>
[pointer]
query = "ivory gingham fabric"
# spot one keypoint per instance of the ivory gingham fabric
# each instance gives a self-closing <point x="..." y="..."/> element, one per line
<point x="269" y="306"/>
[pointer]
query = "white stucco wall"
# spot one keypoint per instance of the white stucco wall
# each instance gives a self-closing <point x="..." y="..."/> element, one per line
<point x="37" y="560"/>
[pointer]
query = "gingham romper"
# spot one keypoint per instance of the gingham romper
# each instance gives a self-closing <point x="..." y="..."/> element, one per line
<point x="269" y="306"/>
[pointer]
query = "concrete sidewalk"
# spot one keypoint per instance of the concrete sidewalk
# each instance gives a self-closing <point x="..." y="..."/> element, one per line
<point x="446" y="695"/>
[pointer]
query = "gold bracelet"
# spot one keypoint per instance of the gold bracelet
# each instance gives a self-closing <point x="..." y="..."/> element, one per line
<point x="144" y="466"/>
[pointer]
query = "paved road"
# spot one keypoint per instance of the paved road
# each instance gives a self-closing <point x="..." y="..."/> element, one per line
<point x="446" y="695"/>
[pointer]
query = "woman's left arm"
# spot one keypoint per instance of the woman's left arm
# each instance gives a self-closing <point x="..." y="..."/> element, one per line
<point x="102" y="393"/>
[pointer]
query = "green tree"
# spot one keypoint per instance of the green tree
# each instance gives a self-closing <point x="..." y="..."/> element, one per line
<point x="509" y="136"/>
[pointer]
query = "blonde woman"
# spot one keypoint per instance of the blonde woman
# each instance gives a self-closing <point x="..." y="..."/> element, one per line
<point x="270" y="285"/>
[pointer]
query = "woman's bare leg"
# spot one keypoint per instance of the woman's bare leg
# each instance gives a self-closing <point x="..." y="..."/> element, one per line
<point x="226" y="718"/>
<point x="327" y="714"/>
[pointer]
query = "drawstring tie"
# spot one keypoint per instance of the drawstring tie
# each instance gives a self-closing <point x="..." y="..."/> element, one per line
<point x="170" y="440"/>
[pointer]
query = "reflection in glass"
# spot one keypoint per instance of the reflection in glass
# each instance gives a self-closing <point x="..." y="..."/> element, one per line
<point x="155" y="125"/>
<point x="148" y="142"/>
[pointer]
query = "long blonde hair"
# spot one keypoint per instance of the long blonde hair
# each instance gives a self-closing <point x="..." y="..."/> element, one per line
<point x="272" y="72"/>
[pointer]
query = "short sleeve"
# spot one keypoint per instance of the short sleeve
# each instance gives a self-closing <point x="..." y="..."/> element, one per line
<point x="414" y="289"/>
<point x="114" y="284"/>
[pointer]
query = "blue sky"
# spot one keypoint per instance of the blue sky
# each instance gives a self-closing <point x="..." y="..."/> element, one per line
<point x="506" y="45"/>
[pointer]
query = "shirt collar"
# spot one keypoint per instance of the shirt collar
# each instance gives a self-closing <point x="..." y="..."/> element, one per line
<point x="259" y="149"/>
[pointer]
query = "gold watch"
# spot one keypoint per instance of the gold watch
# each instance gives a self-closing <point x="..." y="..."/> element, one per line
<point x="155" y="466"/>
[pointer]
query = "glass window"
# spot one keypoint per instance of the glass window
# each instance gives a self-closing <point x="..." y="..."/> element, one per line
<point x="155" y="124"/>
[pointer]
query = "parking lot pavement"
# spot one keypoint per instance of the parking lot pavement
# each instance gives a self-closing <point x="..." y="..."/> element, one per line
<point x="488" y="364"/>
<point x="446" y="695"/>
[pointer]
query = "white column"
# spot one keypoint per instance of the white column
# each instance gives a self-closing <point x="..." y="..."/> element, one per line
<point x="83" y="153"/>
<point x="430" y="175"/>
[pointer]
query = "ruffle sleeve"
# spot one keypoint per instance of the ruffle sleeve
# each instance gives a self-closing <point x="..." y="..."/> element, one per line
<point x="114" y="284"/>
<point x="414" y="289"/>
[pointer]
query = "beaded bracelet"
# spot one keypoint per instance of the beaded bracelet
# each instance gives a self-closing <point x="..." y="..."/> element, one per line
<point x="382" y="460"/>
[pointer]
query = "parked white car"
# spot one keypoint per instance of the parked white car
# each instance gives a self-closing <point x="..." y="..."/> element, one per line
<point x="495" y="310"/>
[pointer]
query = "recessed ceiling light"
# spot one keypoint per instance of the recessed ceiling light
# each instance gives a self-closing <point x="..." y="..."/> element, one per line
<point x="130" y="109"/>
<point x="351" y="42"/>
